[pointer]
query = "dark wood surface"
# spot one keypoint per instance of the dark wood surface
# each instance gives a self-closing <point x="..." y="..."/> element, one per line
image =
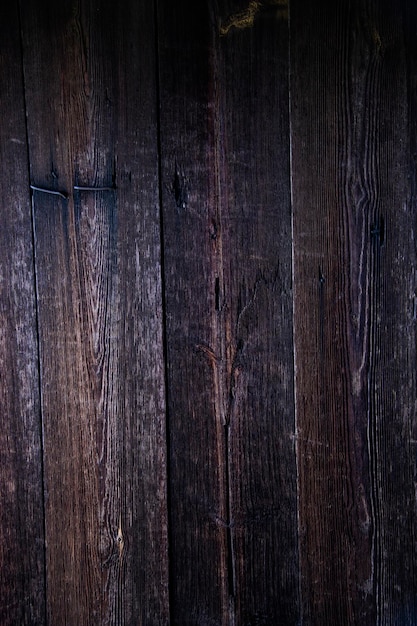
<point x="227" y="227"/>
<point x="256" y="258"/>
<point x="207" y="330"/>
<point x="354" y="276"/>
<point x="199" y="528"/>
<point x="22" y="599"/>
<point x="93" y="126"/>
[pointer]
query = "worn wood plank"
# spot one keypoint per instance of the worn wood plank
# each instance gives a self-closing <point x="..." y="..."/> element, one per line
<point x="227" y="226"/>
<point x="255" y="227"/>
<point x="354" y="270"/>
<point x="198" y="488"/>
<point x="91" y="94"/>
<point x="22" y="589"/>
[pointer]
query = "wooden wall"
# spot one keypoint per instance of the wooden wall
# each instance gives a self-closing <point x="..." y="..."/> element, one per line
<point x="208" y="305"/>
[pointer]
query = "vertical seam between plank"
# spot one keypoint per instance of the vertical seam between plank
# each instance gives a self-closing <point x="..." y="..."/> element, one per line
<point x="296" y="447"/>
<point x="37" y="333"/>
<point x="163" y="299"/>
<point x="223" y="386"/>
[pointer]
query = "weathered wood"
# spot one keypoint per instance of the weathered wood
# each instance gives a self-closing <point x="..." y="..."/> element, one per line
<point x="255" y="228"/>
<point x="91" y="94"/>
<point x="191" y="134"/>
<point x="227" y="226"/>
<point x="189" y="184"/>
<point x="354" y="260"/>
<point x="22" y="589"/>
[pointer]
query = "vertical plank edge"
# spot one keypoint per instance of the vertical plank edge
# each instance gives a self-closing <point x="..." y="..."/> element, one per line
<point x="22" y="577"/>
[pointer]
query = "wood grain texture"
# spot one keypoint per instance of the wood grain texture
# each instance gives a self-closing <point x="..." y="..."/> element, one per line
<point x="189" y="185"/>
<point x="255" y="228"/>
<point x="227" y="226"/>
<point x="208" y="314"/>
<point x="354" y="260"/>
<point x="91" y="102"/>
<point x="22" y="589"/>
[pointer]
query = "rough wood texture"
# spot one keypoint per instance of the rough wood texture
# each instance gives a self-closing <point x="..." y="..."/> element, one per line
<point x="208" y="354"/>
<point x="256" y="299"/>
<point x="93" y="124"/>
<point x="354" y="275"/>
<point x="22" y="590"/>
<point x="227" y="225"/>
<point x="198" y="483"/>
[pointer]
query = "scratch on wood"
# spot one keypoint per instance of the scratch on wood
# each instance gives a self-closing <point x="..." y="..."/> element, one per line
<point x="245" y="19"/>
<point x="208" y="352"/>
<point x="94" y="189"/>
<point x="50" y="191"/>
<point x="179" y="189"/>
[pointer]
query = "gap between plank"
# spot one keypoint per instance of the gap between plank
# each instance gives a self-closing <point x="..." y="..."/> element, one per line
<point x="294" y="351"/>
<point x="37" y="333"/>
<point x="163" y="297"/>
<point x="222" y="384"/>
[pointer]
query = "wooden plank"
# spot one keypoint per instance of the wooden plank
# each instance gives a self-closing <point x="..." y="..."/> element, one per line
<point x="354" y="274"/>
<point x="256" y="294"/>
<point x="198" y="489"/>
<point x="225" y="185"/>
<point x="91" y="94"/>
<point x="22" y="588"/>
